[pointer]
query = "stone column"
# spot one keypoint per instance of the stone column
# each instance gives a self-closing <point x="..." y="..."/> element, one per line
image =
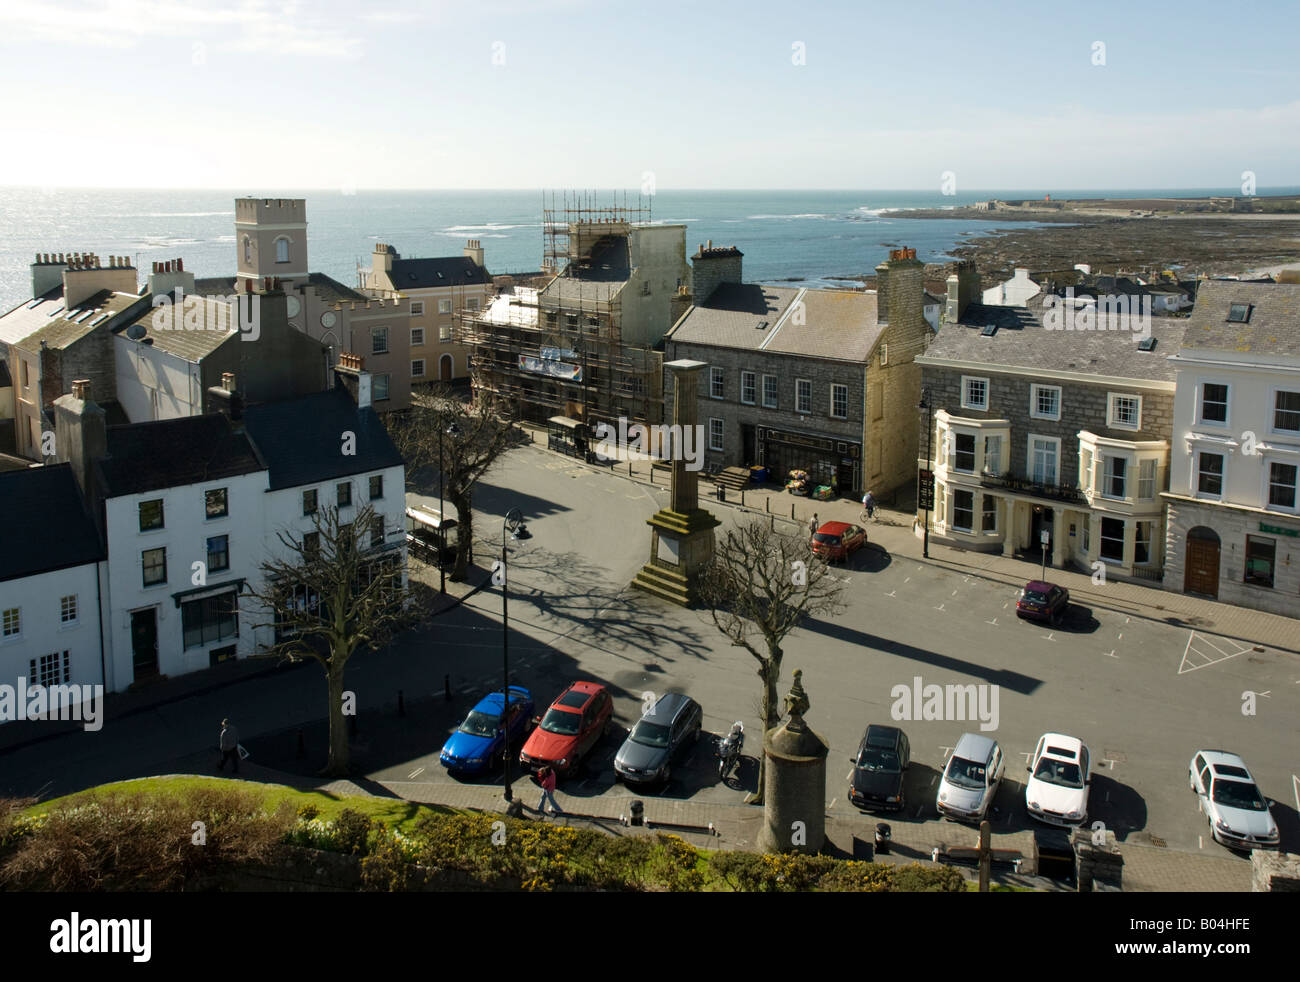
<point x="1009" y="534"/>
<point x="794" y="809"/>
<point x="1058" y="537"/>
<point x="684" y="495"/>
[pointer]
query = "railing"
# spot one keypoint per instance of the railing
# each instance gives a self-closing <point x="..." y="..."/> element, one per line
<point x="1156" y="573"/>
<point x="1039" y="489"/>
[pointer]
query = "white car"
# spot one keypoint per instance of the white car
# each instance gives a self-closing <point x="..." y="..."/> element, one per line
<point x="971" y="778"/>
<point x="1230" y="800"/>
<point x="1060" y="773"/>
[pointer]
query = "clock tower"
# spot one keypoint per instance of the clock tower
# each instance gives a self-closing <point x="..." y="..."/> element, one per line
<point x="271" y="239"/>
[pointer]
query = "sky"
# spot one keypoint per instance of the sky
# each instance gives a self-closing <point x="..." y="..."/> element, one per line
<point x="609" y="94"/>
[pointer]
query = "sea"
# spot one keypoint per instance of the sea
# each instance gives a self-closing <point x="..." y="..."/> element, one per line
<point x="812" y="238"/>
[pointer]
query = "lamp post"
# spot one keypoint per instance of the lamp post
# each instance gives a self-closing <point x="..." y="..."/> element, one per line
<point x="514" y="524"/>
<point x="453" y="431"/>
<point x="925" y="404"/>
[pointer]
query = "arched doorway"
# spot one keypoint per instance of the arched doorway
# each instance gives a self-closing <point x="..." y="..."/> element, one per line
<point x="446" y="368"/>
<point x="1201" y="563"/>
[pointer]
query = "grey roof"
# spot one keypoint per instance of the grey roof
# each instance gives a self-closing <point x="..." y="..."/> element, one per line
<point x="211" y="286"/>
<point x="46" y="319"/>
<point x="597" y="278"/>
<point x="172" y="453"/>
<point x="837" y="324"/>
<point x="55" y="531"/>
<point x="1021" y="341"/>
<point x="1273" y="328"/>
<point x="299" y="439"/>
<point x="328" y="289"/>
<point x="163" y="327"/>
<point x="421" y="274"/>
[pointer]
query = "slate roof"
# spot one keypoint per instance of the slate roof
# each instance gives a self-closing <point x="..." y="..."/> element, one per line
<point x="420" y="274"/>
<point x="164" y="328"/>
<point x="300" y="439"/>
<point x="1022" y="341"/>
<point x="600" y="278"/>
<point x="46" y="319"/>
<point x="1273" y="328"/>
<point x="55" y="531"/>
<point x="839" y="325"/>
<point x="172" y="453"/>
<point x="328" y="289"/>
<point x="211" y="286"/>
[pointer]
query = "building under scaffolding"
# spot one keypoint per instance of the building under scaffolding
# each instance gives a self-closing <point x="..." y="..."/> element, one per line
<point x="588" y="344"/>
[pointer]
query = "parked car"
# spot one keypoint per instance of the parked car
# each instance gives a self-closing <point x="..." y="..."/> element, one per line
<point x="883" y="756"/>
<point x="1042" y="601"/>
<point x="1060" y="776"/>
<point x="971" y="778"/>
<point x="660" y="737"/>
<point x="1237" y="813"/>
<point x="837" y="541"/>
<point x="580" y="716"/>
<point x="478" y="743"/>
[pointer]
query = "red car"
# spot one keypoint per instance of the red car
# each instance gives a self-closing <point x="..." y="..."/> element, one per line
<point x="576" y="720"/>
<point x="838" y="540"/>
<point x="1043" y="601"/>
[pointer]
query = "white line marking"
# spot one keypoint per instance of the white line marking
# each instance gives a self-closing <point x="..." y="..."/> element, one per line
<point x="848" y="776"/>
<point x="1295" y="789"/>
<point x="940" y="607"/>
<point x="1048" y="636"/>
<point x="1026" y="754"/>
<point x="954" y="593"/>
<point x="1125" y="620"/>
<point x="1108" y="796"/>
<point x="908" y="580"/>
<point x="1005" y="606"/>
<point x="920" y="808"/>
<point x="994" y="622"/>
<point x="1200" y="842"/>
<point x="1111" y="653"/>
<point x="1110" y="763"/>
<point x="415" y="773"/>
<point x="1121" y="636"/>
<point x="891" y="593"/>
<point x="832" y="804"/>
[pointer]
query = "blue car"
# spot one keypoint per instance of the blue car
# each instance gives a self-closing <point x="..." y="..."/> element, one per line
<point x="476" y="745"/>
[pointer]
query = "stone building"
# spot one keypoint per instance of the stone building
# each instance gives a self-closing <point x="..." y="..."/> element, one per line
<point x="1036" y="430"/>
<point x="1234" y="503"/>
<point x="814" y="380"/>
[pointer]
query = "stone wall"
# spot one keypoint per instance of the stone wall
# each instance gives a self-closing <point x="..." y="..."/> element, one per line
<point x="1272" y="872"/>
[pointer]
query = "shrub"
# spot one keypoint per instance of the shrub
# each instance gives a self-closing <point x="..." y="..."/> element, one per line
<point x="352" y="832"/>
<point x="916" y="878"/>
<point x="676" y="864"/>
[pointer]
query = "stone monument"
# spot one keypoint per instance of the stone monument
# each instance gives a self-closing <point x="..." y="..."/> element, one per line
<point x="681" y="535"/>
<point x="794" y="810"/>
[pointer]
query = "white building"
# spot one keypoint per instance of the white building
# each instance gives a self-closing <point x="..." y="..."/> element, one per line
<point x="1014" y="292"/>
<point x="1234" y="502"/>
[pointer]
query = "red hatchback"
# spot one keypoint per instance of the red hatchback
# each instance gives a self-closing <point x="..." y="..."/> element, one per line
<point x="576" y="720"/>
<point x="838" y="540"/>
<point x="1042" y="601"/>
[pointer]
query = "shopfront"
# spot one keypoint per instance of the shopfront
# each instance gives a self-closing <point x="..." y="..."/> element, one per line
<point x="827" y="460"/>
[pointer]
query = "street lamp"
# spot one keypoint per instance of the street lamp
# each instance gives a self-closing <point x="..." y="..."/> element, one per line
<point x="453" y="431"/>
<point x="514" y="524"/>
<point x="925" y="404"/>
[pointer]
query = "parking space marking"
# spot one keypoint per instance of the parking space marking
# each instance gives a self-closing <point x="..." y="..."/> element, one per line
<point x="946" y="751"/>
<point x="415" y="773"/>
<point x="940" y="607"/>
<point x="1196" y="656"/>
<point x="1295" y="789"/>
<point x="994" y="622"/>
<point x="1110" y="654"/>
<point x="891" y="593"/>
<point x="1048" y="637"/>
<point x="954" y="593"/>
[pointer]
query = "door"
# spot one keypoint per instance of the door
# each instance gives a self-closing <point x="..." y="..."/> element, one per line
<point x="1042" y="522"/>
<point x="747" y="445"/>
<point x="144" y="643"/>
<point x="1201" y="568"/>
<point x="445" y="368"/>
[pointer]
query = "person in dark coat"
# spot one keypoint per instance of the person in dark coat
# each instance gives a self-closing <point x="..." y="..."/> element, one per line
<point x="229" y="743"/>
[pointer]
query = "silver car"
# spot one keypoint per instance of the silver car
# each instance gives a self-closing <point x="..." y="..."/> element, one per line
<point x="660" y="737"/>
<point x="970" y="779"/>
<point x="1230" y="800"/>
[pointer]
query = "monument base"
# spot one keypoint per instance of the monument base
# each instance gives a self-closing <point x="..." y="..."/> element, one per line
<point x="681" y="545"/>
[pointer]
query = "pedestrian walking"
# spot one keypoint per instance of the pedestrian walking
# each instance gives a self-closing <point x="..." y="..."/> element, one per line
<point x="813" y="525"/>
<point x="869" y="506"/>
<point x="229" y="743"/>
<point x="546" y="778"/>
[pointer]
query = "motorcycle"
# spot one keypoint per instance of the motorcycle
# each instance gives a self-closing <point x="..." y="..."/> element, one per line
<point x="728" y="752"/>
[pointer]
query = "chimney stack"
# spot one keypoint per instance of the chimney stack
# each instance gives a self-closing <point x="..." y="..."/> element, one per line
<point x="710" y="268"/>
<point x="47" y="273"/>
<point x="351" y="374"/>
<point x="80" y="434"/>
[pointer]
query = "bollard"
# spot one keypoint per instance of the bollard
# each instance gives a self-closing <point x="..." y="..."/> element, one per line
<point x="742" y="497"/>
<point x="767" y="505"/>
<point x="302" y="746"/>
<point x="401" y="704"/>
<point x="792" y="511"/>
<point x="446" y="686"/>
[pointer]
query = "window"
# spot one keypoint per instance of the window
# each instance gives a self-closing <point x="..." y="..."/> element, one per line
<point x="1142" y="543"/>
<point x="1045" y="401"/>
<point x="417" y="368"/>
<point x="803" y="395"/>
<point x="1214" y="403"/>
<point x="309" y="502"/>
<point x="716" y="387"/>
<point x="248" y="249"/>
<point x="993" y="455"/>
<point x="769" y="391"/>
<point x="884" y="355"/>
<point x="1281" y="485"/>
<point x="376" y="487"/>
<point x="281" y="250"/>
<point x="1085" y="470"/>
<point x="215" y="503"/>
<point x="1043" y="454"/>
<point x="11" y="622"/>
<point x="417" y="310"/>
<point x="471" y="304"/>
<point x="68" y="609"/>
<point x="444" y="307"/>
<point x="1260" y="555"/>
<point x="1209" y="480"/>
<point x="154" y="563"/>
<point x="50" y="669"/>
<point x="1124" y="412"/>
<point x="151" y="515"/>
<point x="1087" y="534"/>
<point x="1286" y="412"/>
<point x="379" y="340"/>
<point x="218" y="553"/>
<point x="839" y="401"/>
<point x="974" y="393"/>
<point x="1147" y="479"/>
<point x="1112" y="539"/>
<point x="747" y="388"/>
<point x="990" y="520"/>
<point x="1113" y="481"/>
<point x="417" y="337"/>
<point x="964" y="447"/>
<point x="1239" y="313"/>
<point x="444" y="332"/>
<point x="963" y="510"/>
<point x="208" y="620"/>
<point x="379" y="387"/>
<point x="715" y="434"/>
<point x="377" y="531"/>
<point x="344" y="493"/>
<point x="311" y="545"/>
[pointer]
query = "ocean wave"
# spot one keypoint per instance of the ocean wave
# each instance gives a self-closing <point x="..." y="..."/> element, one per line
<point x="754" y="218"/>
<point x="174" y="214"/>
<point x="488" y="228"/>
<point x="481" y="235"/>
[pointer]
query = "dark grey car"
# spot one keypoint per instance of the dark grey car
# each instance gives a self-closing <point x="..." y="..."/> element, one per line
<point x="659" y="739"/>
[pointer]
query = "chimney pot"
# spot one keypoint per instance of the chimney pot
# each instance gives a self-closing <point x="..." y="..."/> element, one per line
<point x="228" y="381"/>
<point x="710" y="243"/>
<point x="81" y="389"/>
<point x="180" y="265"/>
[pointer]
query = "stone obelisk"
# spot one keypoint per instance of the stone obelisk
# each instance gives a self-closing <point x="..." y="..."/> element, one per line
<point x="681" y="535"/>
<point x="794" y="799"/>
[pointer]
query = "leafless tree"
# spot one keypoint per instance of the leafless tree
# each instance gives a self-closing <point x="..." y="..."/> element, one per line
<point x="760" y="585"/>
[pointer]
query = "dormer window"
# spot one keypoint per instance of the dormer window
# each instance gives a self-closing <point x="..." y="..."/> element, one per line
<point x="1239" y="313"/>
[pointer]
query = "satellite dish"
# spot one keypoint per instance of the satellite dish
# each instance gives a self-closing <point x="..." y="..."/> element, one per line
<point x="135" y="332"/>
